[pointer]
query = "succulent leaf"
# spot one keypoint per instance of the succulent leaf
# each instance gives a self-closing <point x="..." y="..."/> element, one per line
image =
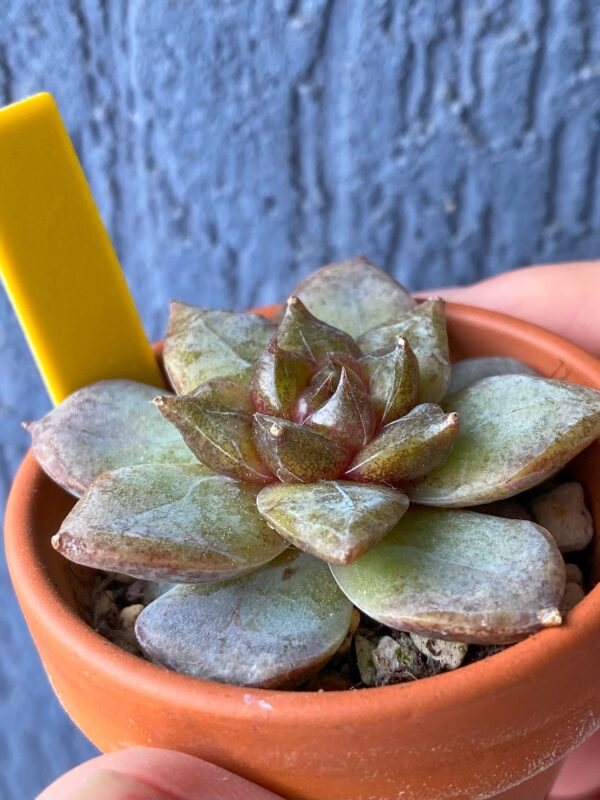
<point x="516" y="431"/>
<point x="354" y="296"/>
<point x="393" y="380"/>
<point x="179" y="524"/>
<point x="425" y="330"/>
<point x="296" y="454"/>
<point x="459" y="576"/>
<point x="348" y="417"/>
<point x="304" y="334"/>
<point x="216" y="424"/>
<point x="336" y="521"/>
<point x="101" y="427"/>
<point x="314" y="396"/>
<point x="278" y="377"/>
<point x="203" y="343"/>
<point x="325" y="382"/>
<point x="408" y="448"/>
<point x="274" y="628"/>
<point x="469" y="370"/>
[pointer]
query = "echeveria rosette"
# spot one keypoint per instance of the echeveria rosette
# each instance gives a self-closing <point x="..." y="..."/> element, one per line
<point x="313" y="434"/>
<point x="316" y="414"/>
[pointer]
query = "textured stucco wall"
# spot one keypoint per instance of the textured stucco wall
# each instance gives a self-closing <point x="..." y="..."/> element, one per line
<point x="234" y="146"/>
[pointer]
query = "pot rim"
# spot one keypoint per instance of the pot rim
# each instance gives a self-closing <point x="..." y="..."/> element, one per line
<point x="40" y="597"/>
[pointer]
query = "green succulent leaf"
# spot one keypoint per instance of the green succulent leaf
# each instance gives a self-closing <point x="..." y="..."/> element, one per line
<point x="408" y="448"/>
<point x="296" y="454"/>
<point x="354" y="296"/>
<point x="278" y="377"/>
<point x="336" y="521"/>
<point x="179" y="524"/>
<point x="516" y="431"/>
<point x="216" y="424"/>
<point x="274" y="628"/>
<point x="425" y="330"/>
<point x="393" y="380"/>
<point x="348" y="417"/>
<point x="203" y="343"/>
<point x="304" y="334"/>
<point x="470" y="370"/>
<point x="101" y="427"/>
<point x="459" y="576"/>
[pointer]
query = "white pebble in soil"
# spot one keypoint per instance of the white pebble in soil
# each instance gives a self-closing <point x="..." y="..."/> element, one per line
<point x="564" y="514"/>
<point x="364" y="659"/>
<point x="448" y="655"/>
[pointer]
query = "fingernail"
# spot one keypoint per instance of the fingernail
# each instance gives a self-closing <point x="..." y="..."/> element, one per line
<point x="107" y="784"/>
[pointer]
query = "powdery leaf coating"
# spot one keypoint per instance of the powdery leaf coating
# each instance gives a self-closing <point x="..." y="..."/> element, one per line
<point x="216" y="424"/>
<point x="348" y="417"/>
<point x="393" y="380"/>
<point x="179" y="524"/>
<point x="563" y="513"/>
<point x="296" y="454"/>
<point x="459" y="576"/>
<point x="408" y="448"/>
<point x="304" y="334"/>
<point x="354" y="295"/>
<point x="469" y="370"/>
<point x="274" y="628"/>
<point x="336" y="521"/>
<point x="104" y="426"/>
<point x="203" y="343"/>
<point x="516" y="431"/>
<point x="278" y="377"/>
<point x="425" y="330"/>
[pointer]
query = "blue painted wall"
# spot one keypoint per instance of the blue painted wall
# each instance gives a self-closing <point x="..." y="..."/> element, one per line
<point x="234" y="146"/>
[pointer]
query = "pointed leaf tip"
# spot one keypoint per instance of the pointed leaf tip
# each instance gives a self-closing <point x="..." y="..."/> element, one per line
<point x="336" y="521"/>
<point x="459" y="576"/>
<point x="168" y="523"/>
<point x="408" y="448"/>
<point x="348" y="417"/>
<point x="216" y="424"/>
<point x="393" y="380"/>
<point x="304" y="334"/>
<point x="104" y="426"/>
<point x="297" y="454"/>
<point x="425" y="330"/>
<point x="516" y="431"/>
<point x="278" y="377"/>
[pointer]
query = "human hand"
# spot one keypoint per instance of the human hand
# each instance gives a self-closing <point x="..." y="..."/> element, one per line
<point x="152" y="774"/>
<point x="563" y="298"/>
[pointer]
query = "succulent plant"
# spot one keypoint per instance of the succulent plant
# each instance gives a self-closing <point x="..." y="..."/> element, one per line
<point x="271" y="493"/>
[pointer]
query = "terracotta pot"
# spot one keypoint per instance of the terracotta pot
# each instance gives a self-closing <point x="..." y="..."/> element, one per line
<point x="500" y="726"/>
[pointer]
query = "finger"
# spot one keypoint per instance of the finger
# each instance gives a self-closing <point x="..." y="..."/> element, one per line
<point x="152" y="774"/>
<point x="579" y="779"/>
<point x="559" y="297"/>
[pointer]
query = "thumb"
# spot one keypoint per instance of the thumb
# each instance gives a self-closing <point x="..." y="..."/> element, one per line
<point x="562" y="298"/>
<point x="152" y="774"/>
